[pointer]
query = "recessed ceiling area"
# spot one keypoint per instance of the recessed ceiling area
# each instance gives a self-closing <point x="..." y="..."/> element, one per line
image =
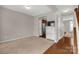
<point x="35" y="10"/>
<point x="66" y="8"/>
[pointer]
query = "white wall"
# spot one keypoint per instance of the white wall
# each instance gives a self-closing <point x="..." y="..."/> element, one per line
<point x="58" y="17"/>
<point x="15" y="25"/>
<point x="50" y="16"/>
<point x="36" y="28"/>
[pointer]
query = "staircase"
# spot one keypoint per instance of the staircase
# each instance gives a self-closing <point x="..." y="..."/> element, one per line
<point x="62" y="47"/>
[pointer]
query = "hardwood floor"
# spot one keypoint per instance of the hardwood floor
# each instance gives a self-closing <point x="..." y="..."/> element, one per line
<point x="62" y="47"/>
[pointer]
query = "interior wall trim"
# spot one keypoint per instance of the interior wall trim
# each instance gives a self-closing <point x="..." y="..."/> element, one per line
<point x="14" y="39"/>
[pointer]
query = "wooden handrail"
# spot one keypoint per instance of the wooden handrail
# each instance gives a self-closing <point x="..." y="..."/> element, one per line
<point x="75" y="32"/>
<point x="75" y="41"/>
<point x="77" y="15"/>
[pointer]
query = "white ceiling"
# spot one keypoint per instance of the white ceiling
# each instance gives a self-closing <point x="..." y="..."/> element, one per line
<point x="35" y="10"/>
<point x="40" y="9"/>
<point x="63" y="8"/>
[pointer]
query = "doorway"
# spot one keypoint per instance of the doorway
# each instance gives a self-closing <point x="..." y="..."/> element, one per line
<point x="44" y="24"/>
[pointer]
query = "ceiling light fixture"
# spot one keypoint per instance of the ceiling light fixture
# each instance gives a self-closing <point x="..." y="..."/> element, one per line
<point x="67" y="10"/>
<point x="28" y="7"/>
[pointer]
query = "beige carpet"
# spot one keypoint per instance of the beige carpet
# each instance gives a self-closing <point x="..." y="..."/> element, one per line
<point x="31" y="45"/>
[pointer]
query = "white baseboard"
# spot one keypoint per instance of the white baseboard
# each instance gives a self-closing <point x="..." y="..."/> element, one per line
<point x="59" y="38"/>
<point x="14" y="39"/>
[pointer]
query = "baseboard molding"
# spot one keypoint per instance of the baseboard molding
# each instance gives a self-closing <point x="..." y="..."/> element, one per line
<point x="59" y="39"/>
<point x="14" y="39"/>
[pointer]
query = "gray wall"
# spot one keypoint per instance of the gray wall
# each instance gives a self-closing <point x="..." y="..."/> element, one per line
<point x="15" y="25"/>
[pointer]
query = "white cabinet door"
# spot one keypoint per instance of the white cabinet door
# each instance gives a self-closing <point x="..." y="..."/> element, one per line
<point x="50" y="33"/>
<point x="51" y="36"/>
<point x="50" y="29"/>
